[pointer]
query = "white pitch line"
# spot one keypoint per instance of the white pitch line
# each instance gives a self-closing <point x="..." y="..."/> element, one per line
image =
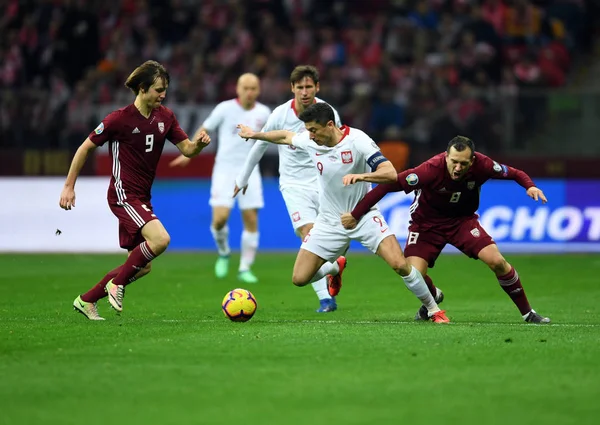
<point x="387" y="322"/>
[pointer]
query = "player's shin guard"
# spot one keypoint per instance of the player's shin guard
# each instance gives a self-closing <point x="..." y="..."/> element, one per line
<point x="137" y="260"/>
<point x="511" y="284"/>
<point x="248" y="253"/>
<point x="221" y="238"/>
<point x="98" y="292"/>
<point x="320" y="287"/>
<point x="433" y="290"/>
<point x="416" y="284"/>
<point x="327" y="268"/>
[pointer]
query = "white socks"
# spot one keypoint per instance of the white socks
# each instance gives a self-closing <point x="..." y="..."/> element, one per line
<point x="327" y="268"/>
<point x="320" y="287"/>
<point x="415" y="283"/>
<point x="319" y="280"/>
<point x="221" y="238"/>
<point x="249" y="245"/>
<point x="248" y="252"/>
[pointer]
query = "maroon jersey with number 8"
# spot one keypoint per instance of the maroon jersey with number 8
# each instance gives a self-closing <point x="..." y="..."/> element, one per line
<point x="439" y="200"/>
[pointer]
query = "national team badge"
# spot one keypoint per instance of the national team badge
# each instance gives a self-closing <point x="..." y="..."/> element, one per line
<point x="347" y="157"/>
<point x="412" y="179"/>
<point x="475" y="232"/>
<point x="296" y="216"/>
<point x="161" y="127"/>
<point x="470" y="185"/>
<point x="497" y="167"/>
<point x="99" y="129"/>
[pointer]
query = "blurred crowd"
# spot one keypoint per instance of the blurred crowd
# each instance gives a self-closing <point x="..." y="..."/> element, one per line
<point x="415" y="70"/>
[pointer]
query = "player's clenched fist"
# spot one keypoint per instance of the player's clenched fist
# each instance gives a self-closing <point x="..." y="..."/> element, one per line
<point x="67" y="198"/>
<point x="202" y="138"/>
<point x="245" y="132"/>
<point x="348" y="221"/>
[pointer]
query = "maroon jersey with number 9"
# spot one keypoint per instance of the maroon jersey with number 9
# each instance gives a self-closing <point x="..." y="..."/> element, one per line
<point x="135" y="145"/>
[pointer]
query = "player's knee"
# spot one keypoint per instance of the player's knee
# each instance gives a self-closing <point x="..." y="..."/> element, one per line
<point x="161" y="241"/>
<point x="219" y="222"/>
<point x="498" y="264"/>
<point x="401" y="266"/>
<point x="298" y="279"/>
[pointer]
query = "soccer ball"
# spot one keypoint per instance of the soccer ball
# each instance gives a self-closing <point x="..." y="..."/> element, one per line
<point x="239" y="305"/>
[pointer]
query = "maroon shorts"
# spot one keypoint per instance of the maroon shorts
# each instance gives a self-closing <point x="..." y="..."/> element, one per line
<point x="133" y="214"/>
<point x="467" y="235"/>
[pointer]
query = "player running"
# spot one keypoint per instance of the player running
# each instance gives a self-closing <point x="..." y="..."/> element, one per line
<point x="297" y="176"/>
<point x="136" y="136"/>
<point x="336" y="152"/>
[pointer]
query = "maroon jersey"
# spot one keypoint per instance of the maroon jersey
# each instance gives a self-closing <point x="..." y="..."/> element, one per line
<point x="439" y="200"/>
<point x="135" y="145"/>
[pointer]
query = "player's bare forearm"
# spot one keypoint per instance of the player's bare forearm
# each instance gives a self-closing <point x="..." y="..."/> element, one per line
<point x="79" y="159"/>
<point x="190" y="149"/>
<point x="279" y="137"/>
<point x="385" y="173"/>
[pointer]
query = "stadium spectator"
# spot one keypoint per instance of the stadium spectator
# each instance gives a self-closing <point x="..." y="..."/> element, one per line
<point x="383" y="44"/>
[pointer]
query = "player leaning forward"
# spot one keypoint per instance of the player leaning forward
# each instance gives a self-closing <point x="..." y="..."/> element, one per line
<point x="447" y="189"/>
<point x="136" y="136"/>
<point x="337" y="152"/>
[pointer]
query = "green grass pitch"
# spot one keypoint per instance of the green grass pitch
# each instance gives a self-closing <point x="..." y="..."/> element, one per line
<point x="173" y="358"/>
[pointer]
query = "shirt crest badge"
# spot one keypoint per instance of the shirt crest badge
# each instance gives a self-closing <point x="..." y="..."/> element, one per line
<point x="475" y="232"/>
<point x="347" y="157"/>
<point x="161" y="127"/>
<point x="470" y="185"/>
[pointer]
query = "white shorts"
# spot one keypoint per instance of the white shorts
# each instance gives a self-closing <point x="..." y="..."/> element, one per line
<point x="223" y="183"/>
<point x="302" y="204"/>
<point x="329" y="241"/>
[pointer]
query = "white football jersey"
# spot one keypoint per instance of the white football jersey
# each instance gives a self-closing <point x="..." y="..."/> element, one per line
<point x="232" y="150"/>
<point x="295" y="166"/>
<point x="356" y="153"/>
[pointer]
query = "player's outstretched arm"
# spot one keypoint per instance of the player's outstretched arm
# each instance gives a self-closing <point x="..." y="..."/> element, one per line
<point x="385" y="173"/>
<point x="67" y="195"/>
<point x="279" y="137"/>
<point x="371" y="198"/>
<point x="252" y="160"/>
